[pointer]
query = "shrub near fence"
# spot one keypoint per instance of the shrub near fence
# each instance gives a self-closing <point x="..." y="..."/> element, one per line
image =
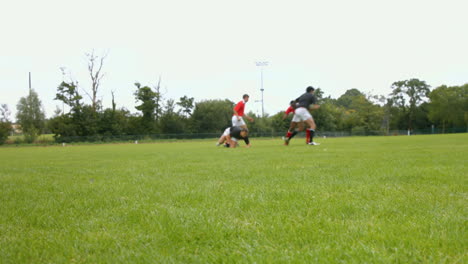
<point x="50" y="139"/>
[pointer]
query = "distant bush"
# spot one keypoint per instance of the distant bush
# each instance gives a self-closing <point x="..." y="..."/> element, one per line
<point x="5" y="129"/>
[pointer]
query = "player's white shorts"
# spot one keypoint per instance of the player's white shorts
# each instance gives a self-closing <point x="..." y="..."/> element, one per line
<point x="227" y="132"/>
<point x="236" y="122"/>
<point x="301" y="114"/>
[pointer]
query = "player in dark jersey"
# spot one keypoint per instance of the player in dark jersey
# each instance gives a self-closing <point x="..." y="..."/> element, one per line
<point x="304" y="103"/>
<point x="232" y="134"/>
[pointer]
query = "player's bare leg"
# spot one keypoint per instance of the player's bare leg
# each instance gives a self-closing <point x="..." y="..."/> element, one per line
<point x="310" y="131"/>
<point x="291" y="133"/>
<point x="221" y="140"/>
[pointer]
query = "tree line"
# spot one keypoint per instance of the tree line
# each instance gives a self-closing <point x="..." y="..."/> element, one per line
<point x="410" y="105"/>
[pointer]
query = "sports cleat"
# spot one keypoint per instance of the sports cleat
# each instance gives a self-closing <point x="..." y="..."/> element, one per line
<point x="313" y="143"/>
<point x="286" y="141"/>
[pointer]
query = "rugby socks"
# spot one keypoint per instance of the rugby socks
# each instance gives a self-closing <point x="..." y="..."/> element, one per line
<point x="290" y="134"/>
<point x="312" y="134"/>
<point x="293" y="134"/>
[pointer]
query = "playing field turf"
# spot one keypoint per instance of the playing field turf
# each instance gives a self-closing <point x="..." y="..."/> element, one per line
<point x="354" y="200"/>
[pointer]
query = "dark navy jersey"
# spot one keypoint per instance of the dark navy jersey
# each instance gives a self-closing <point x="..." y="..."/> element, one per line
<point x="306" y="100"/>
<point x="235" y="132"/>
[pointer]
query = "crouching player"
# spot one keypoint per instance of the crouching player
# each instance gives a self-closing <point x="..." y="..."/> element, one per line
<point x="232" y="135"/>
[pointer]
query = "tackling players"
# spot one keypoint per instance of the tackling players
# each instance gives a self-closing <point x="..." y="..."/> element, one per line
<point x="304" y="103"/>
<point x="292" y="131"/>
<point x="232" y="134"/>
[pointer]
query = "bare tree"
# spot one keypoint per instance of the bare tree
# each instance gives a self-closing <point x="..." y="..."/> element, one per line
<point x="158" y="100"/>
<point x="95" y="64"/>
<point x="4" y="113"/>
<point x="113" y="101"/>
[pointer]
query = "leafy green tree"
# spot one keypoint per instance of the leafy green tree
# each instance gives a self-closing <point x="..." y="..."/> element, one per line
<point x="353" y="111"/>
<point x="449" y="106"/>
<point x="171" y="122"/>
<point x="5" y="124"/>
<point x="278" y="124"/>
<point x="408" y="95"/>
<point x="147" y="99"/>
<point x="421" y="117"/>
<point x="81" y="123"/>
<point x="114" y="122"/>
<point x="65" y="126"/>
<point x="370" y="114"/>
<point x="348" y="97"/>
<point x="262" y="125"/>
<point x="186" y="104"/>
<point x="329" y="117"/>
<point x="211" y="116"/>
<point x="69" y="95"/>
<point x="30" y="116"/>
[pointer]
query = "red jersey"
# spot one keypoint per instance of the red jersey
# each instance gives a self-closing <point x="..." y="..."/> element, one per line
<point x="290" y="110"/>
<point x="239" y="108"/>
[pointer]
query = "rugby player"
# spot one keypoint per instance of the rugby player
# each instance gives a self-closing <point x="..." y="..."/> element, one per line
<point x="231" y="136"/>
<point x="307" y="102"/>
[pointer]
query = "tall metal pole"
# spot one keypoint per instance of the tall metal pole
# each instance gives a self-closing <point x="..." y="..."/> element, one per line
<point x="262" y="64"/>
<point x="29" y="82"/>
<point x="261" y="89"/>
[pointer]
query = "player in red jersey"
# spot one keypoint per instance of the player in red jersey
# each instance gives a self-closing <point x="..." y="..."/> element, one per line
<point x="295" y="126"/>
<point x="238" y="110"/>
<point x="237" y="119"/>
<point x="291" y="108"/>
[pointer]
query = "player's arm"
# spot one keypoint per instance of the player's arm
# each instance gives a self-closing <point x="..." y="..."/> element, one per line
<point x="247" y="142"/>
<point x="314" y="107"/>
<point x="249" y="118"/>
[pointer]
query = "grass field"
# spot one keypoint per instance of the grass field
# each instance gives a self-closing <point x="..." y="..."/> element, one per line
<point x="352" y="200"/>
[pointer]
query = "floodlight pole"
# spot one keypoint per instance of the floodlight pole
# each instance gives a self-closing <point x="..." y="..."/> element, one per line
<point x="30" y="83"/>
<point x="262" y="64"/>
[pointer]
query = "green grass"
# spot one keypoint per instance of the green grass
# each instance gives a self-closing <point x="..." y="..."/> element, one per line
<point x="353" y="200"/>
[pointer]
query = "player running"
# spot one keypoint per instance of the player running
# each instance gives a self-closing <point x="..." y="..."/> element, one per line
<point x="237" y="119"/>
<point x="304" y="103"/>
<point x="295" y="126"/>
<point x="231" y="135"/>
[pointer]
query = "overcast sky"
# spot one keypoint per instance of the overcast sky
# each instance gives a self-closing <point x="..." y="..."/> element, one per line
<point x="208" y="49"/>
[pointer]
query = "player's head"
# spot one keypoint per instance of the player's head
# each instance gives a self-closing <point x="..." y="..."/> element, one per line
<point x="245" y="97"/>
<point x="310" y="89"/>
<point x="292" y="103"/>
<point x="244" y="132"/>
